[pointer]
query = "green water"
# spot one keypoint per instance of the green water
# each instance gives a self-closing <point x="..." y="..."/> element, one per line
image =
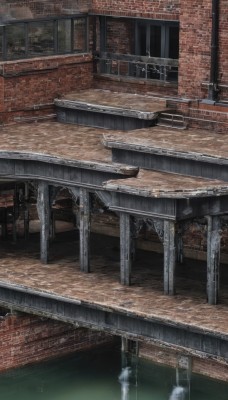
<point x="94" y="375"/>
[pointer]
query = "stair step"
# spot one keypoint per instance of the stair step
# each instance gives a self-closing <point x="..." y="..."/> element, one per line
<point x="175" y="121"/>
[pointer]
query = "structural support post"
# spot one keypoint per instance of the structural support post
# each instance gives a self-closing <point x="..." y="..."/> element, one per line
<point x="213" y="258"/>
<point x="84" y="230"/>
<point x="125" y="248"/>
<point x="179" y="245"/>
<point x="43" y="207"/>
<point x="169" y="257"/>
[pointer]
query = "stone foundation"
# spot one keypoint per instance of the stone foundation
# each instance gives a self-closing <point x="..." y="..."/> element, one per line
<point x="27" y="339"/>
<point x="171" y="357"/>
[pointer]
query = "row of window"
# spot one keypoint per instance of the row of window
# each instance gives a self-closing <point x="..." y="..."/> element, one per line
<point x="43" y="38"/>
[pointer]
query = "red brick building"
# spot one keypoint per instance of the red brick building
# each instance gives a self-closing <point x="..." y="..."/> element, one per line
<point x="175" y="49"/>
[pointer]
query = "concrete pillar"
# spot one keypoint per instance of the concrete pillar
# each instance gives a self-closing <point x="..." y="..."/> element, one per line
<point x="43" y="207"/>
<point x="213" y="258"/>
<point x="84" y="230"/>
<point x="125" y="248"/>
<point x="169" y="257"/>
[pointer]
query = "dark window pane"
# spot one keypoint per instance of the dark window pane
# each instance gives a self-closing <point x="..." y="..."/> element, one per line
<point x="80" y="35"/>
<point x="173" y="42"/>
<point x="155" y="41"/>
<point x="41" y="38"/>
<point x="64" y="36"/>
<point x="15" y="41"/>
<point x="141" y="40"/>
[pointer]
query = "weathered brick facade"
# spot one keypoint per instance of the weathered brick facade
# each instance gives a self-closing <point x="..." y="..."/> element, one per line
<point x="29" y="339"/>
<point x="170" y="357"/>
<point x="35" y="83"/>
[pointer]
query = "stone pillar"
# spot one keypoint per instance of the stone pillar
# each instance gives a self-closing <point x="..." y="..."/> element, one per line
<point x="125" y="248"/>
<point x="43" y="207"/>
<point x="84" y="230"/>
<point x="169" y="257"/>
<point x="213" y="258"/>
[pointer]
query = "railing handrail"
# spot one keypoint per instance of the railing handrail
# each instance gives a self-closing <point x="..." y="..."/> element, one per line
<point x="137" y="58"/>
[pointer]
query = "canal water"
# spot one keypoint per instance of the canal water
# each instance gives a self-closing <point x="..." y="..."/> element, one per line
<point x="101" y="374"/>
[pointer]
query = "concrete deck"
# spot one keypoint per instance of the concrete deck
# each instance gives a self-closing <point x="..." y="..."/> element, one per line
<point x="82" y="146"/>
<point x="20" y="268"/>
<point x="191" y="144"/>
<point x="139" y="106"/>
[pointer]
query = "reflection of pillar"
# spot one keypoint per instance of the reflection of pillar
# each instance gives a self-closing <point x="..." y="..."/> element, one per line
<point x="169" y="257"/>
<point x="43" y="207"/>
<point x="213" y="258"/>
<point x="125" y="248"/>
<point x="84" y="230"/>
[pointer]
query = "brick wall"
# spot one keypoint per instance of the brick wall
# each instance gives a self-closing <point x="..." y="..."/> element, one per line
<point x="30" y="86"/>
<point x="169" y="356"/>
<point x="27" y="339"/>
<point x="157" y="9"/>
<point x="28" y="9"/>
<point x="195" y="39"/>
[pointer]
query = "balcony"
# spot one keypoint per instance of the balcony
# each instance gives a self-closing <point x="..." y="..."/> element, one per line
<point x="137" y="67"/>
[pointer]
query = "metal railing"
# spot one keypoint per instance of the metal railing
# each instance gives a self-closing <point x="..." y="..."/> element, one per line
<point x="140" y="67"/>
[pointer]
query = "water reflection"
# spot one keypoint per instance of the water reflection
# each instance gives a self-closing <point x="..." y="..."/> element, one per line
<point x="124" y="379"/>
<point x="103" y="374"/>
<point x="178" y="393"/>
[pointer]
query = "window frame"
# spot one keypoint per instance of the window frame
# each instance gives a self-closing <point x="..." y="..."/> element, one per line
<point x="55" y="21"/>
<point x="165" y="25"/>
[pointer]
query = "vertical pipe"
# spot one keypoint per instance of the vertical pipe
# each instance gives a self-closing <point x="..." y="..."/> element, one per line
<point x="213" y="84"/>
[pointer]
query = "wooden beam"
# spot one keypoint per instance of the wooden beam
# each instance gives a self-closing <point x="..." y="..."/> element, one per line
<point x="169" y="257"/>
<point x="43" y="207"/>
<point x="84" y="230"/>
<point x="213" y="258"/>
<point x="125" y="248"/>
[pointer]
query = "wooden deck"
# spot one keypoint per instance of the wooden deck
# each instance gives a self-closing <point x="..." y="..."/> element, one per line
<point x="62" y="280"/>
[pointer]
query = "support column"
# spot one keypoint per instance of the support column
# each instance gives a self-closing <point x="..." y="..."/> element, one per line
<point x="26" y="211"/>
<point x="213" y="258"/>
<point x="84" y="230"/>
<point x="125" y="248"/>
<point x="179" y="245"/>
<point x="43" y="207"/>
<point x="169" y="257"/>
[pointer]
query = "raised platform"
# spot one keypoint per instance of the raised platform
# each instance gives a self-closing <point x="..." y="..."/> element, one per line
<point x="189" y="152"/>
<point x="111" y="110"/>
<point x="98" y="300"/>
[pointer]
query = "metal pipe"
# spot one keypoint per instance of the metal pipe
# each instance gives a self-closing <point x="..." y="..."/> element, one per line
<point x="213" y="85"/>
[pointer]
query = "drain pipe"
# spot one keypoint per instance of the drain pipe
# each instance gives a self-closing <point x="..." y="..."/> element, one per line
<point x="213" y="84"/>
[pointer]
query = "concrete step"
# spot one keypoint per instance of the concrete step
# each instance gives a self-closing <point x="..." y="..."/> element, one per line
<point x="191" y="152"/>
<point x="109" y="110"/>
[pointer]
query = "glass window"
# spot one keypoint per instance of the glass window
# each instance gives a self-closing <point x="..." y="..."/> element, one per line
<point x="15" y="41"/>
<point x="173" y="42"/>
<point x="64" y="36"/>
<point x="41" y="38"/>
<point x="155" y="41"/>
<point x="80" y="35"/>
<point x="142" y="40"/>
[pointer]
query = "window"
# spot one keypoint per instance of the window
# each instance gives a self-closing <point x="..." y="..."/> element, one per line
<point x="158" y="40"/>
<point x="15" y="41"/>
<point x="40" y="38"/>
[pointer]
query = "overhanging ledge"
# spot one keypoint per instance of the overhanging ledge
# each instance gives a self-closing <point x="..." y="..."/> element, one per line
<point x="119" y="322"/>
